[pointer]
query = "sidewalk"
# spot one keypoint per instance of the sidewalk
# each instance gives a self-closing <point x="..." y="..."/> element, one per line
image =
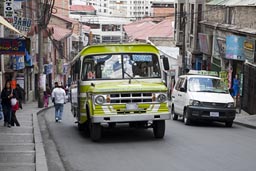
<point x="245" y="119"/>
<point x="21" y="148"/>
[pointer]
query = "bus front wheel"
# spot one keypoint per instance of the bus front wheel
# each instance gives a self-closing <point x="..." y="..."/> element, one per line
<point x="95" y="131"/>
<point x="159" y="128"/>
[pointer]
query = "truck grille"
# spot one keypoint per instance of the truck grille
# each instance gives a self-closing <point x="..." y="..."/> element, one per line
<point x="211" y="104"/>
<point x="131" y="98"/>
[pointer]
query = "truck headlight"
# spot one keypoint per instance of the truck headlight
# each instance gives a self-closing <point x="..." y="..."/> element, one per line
<point x="161" y="98"/>
<point x="194" y="102"/>
<point x="231" y="104"/>
<point x="100" y="100"/>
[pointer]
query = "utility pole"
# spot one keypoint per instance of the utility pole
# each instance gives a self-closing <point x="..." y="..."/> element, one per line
<point x="40" y="54"/>
<point x="183" y="24"/>
<point x="44" y="14"/>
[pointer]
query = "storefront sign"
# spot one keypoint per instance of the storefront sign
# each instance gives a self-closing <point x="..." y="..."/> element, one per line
<point x="22" y="24"/>
<point x="235" y="47"/>
<point x="249" y="50"/>
<point x="12" y="46"/>
<point x="205" y="43"/>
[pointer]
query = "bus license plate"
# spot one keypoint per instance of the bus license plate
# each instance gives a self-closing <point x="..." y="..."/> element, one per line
<point x="131" y="106"/>
<point x="214" y="114"/>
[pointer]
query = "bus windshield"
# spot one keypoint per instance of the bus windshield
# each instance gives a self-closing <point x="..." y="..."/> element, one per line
<point x="203" y="84"/>
<point x="119" y="66"/>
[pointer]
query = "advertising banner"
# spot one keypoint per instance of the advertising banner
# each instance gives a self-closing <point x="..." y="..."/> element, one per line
<point x="205" y="43"/>
<point x="12" y="46"/>
<point x="59" y="66"/>
<point x="18" y="62"/>
<point x="47" y="69"/>
<point x="65" y="69"/>
<point x="249" y="50"/>
<point x="235" y="47"/>
<point x="219" y="50"/>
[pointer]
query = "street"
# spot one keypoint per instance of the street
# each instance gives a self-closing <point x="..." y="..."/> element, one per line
<point x="184" y="148"/>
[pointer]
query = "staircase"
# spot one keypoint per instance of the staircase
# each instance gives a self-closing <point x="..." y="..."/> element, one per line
<point x="21" y="148"/>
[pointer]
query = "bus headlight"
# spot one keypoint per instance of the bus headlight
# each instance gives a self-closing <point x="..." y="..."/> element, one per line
<point x="100" y="100"/>
<point x="161" y="98"/>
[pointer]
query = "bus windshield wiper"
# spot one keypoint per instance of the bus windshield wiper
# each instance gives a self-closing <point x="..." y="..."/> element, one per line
<point x="130" y="77"/>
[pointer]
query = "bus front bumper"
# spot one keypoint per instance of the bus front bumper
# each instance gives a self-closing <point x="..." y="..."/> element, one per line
<point x="130" y="118"/>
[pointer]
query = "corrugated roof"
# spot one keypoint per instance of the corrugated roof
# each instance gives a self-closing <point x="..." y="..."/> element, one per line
<point x="233" y="2"/>
<point x="86" y="28"/>
<point x="143" y="30"/>
<point x="60" y="33"/>
<point x="86" y="8"/>
<point x="70" y="20"/>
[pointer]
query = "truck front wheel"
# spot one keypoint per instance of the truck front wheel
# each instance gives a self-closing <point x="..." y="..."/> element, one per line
<point x="159" y="128"/>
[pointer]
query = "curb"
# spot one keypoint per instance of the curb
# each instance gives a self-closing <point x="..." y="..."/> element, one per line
<point x="40" y="161"/>
<point x="245" y="125"/>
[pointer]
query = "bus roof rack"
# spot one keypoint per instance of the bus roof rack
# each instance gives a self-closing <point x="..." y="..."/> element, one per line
<point x="203" y="72"/>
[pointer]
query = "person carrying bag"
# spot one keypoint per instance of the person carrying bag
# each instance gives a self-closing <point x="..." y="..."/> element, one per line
<point x="15" y="107"/>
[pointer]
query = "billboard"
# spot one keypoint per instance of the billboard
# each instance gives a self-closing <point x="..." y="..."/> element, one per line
<point x="235" y="47"/>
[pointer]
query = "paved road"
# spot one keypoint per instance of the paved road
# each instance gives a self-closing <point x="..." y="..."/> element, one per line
<point x="184" y="148"/>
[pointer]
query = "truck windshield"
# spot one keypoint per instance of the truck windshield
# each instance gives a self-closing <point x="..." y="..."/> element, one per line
<point x="119" y="66"/>
<point x="203" y="84"/>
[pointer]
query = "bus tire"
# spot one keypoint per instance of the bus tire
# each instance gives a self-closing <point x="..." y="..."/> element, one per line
<point x="95" y="131"/>
<point x="80" y="127"/>
<point x="159" y="128"/>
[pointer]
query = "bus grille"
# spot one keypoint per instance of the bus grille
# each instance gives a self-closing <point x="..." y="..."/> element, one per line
<point x="131" y="98"/>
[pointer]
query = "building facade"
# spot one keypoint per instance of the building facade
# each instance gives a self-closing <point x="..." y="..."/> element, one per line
<point x="219" y="35"/>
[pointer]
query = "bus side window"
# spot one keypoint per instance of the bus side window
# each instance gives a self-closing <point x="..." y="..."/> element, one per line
<point x="77" y="70"/>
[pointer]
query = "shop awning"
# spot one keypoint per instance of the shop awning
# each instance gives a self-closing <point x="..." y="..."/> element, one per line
<point x="8" y="25"/>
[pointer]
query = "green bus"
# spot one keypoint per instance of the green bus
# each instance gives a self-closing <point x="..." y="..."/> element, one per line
<point x="119" y="83"/>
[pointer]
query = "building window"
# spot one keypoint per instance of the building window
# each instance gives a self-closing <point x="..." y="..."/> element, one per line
<point x="181" y="14"/>
<point x="30" y="81"/>
<point x="192" y="19"/>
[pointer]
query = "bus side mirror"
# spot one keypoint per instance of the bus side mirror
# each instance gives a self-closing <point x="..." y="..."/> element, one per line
<point x="165" y="62"/>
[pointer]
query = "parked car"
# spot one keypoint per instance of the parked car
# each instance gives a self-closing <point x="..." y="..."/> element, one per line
<point x="202" y="97"/>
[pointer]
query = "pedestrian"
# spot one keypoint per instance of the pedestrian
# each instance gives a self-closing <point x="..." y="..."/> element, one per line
<point x="17" y="93"/>
<point x="47" y="94"/>
<point x="55" y="86"/>
<point x="20" y="94"/>
<point x="235" y="86"/>
<point x="6" y="95"/>
<point x="58" y="96"/>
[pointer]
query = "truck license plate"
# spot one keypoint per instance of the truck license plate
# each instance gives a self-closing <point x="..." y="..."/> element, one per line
<point x="214" y="114"/>
<point x="131" y="106"/>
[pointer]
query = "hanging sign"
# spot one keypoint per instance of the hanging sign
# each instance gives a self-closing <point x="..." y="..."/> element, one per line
<point x="8" y="10"/>
<point x="22" y="23"/>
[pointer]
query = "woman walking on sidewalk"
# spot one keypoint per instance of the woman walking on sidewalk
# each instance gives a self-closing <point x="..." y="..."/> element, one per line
<point x="6" y="96"/>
